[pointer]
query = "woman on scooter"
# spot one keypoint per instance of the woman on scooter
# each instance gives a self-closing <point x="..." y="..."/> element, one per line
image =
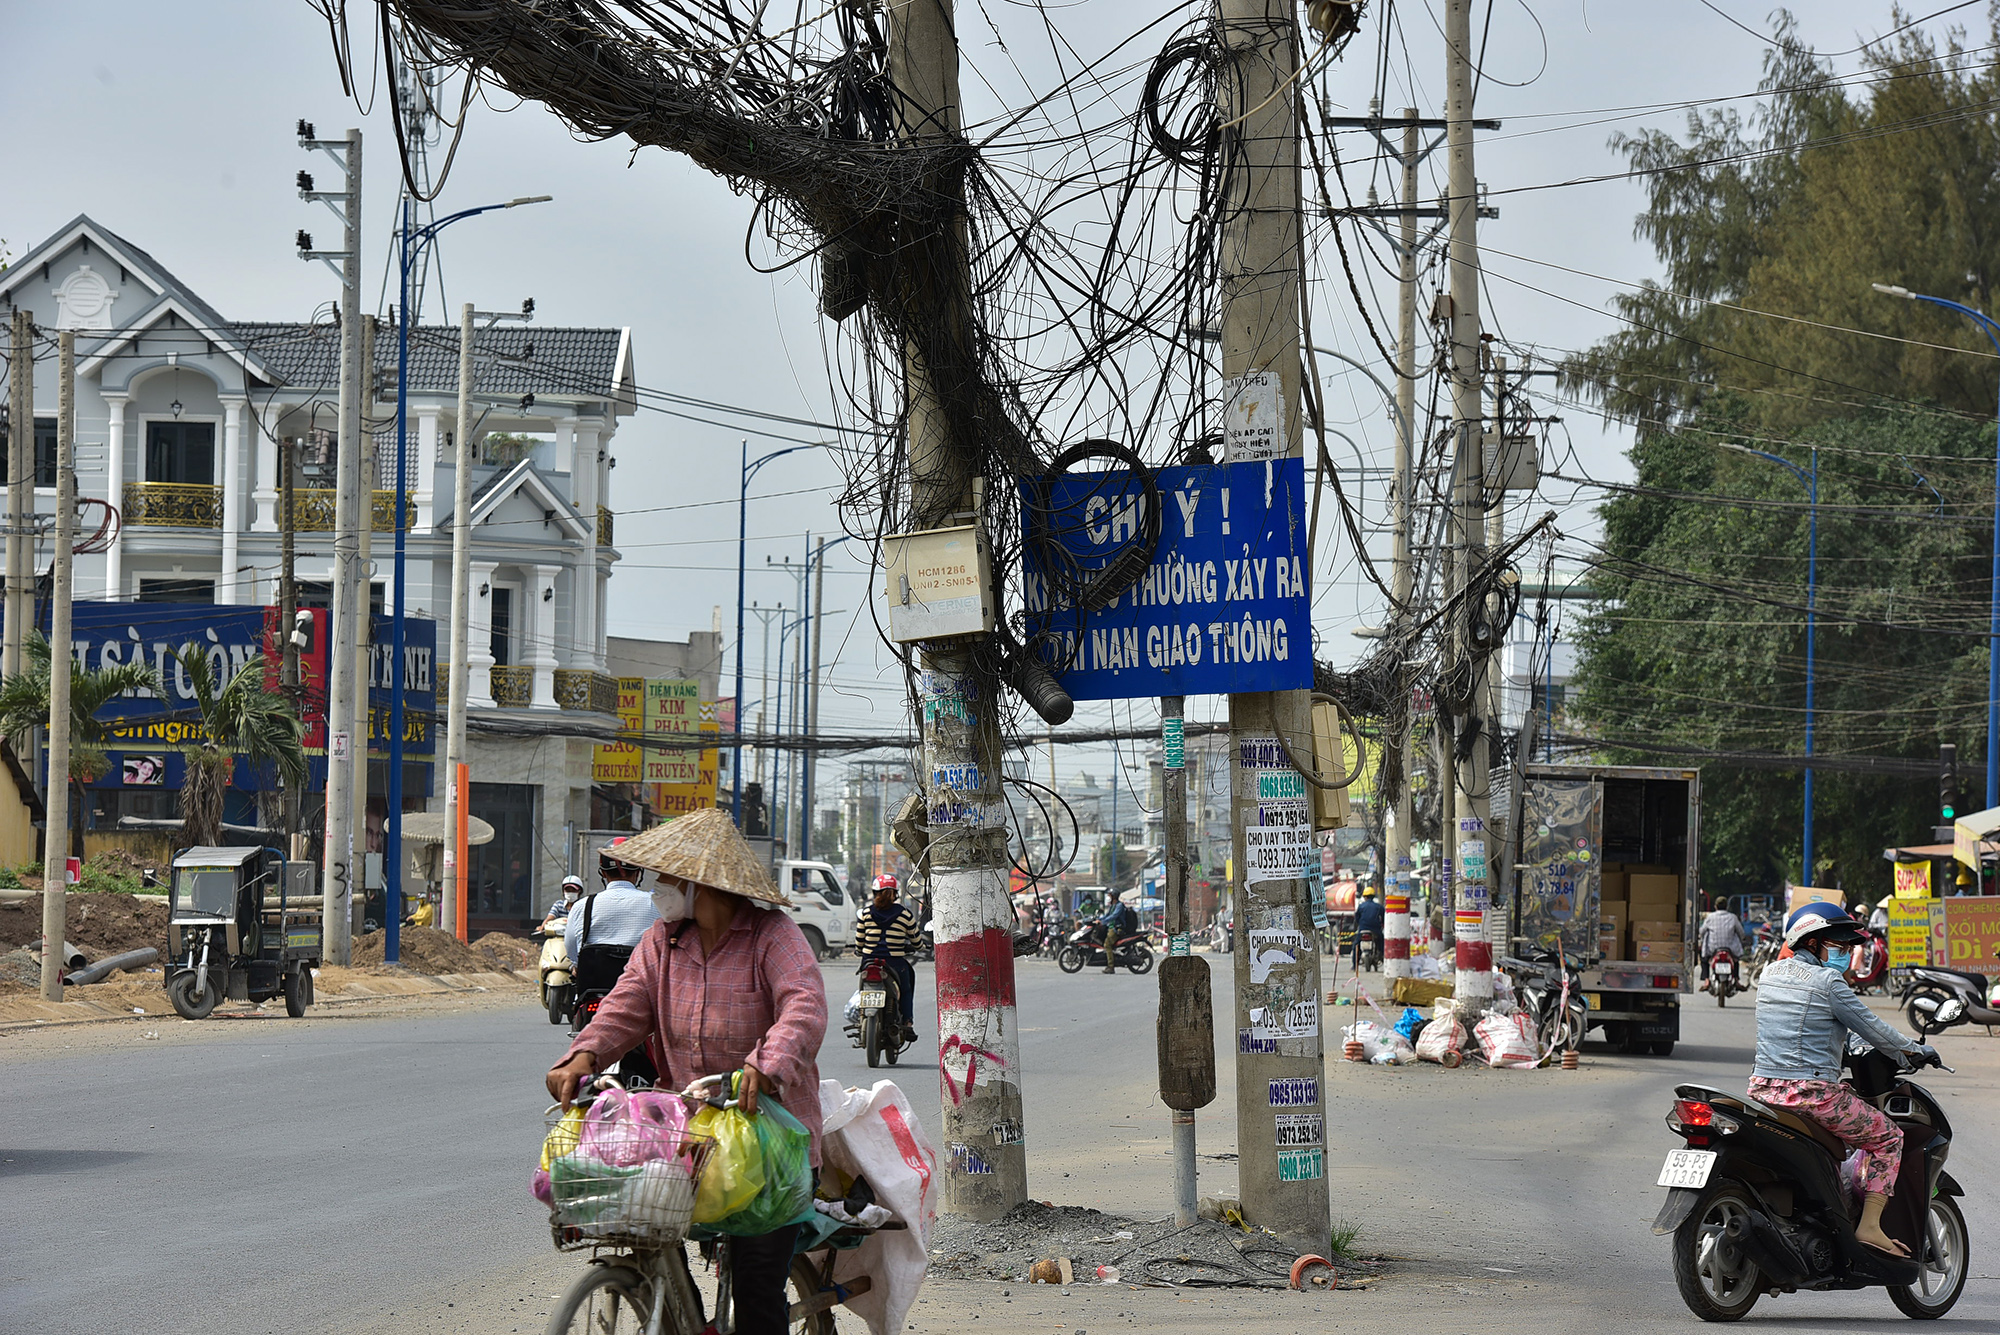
<point x="1805" y="1011"/>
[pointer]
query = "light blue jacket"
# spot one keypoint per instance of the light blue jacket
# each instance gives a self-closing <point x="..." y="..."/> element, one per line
<point x="1804" y="1014"/>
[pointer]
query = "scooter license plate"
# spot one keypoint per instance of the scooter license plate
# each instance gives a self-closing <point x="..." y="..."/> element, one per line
<point x="1687" y="1168"/>
<point x="877" y="999"/>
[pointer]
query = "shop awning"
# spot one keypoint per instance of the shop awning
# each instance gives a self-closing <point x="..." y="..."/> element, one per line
<point x="1971" y="835"/>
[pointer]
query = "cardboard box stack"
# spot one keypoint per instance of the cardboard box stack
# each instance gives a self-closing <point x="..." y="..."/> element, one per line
<point x="1612" y="916"/>
<point x="1653" y="897"/>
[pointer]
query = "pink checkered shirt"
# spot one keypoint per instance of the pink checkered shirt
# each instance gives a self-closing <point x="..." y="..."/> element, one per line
<point x="759" y="999"/>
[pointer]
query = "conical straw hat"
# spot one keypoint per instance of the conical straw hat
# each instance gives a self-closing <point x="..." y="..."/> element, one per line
<point x="706" y="848"/>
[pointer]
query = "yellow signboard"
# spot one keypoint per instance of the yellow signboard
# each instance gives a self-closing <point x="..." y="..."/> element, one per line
<point x="619" y="762"/>
<point x="1965" y="844"/>
<point x="677" y="799"/>
<point x="673" y="708"/>
<point x="1913" y="880"/>
<point x="1909" y="932"/>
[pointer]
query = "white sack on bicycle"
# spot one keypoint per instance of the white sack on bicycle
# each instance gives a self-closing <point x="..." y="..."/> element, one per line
<point x="875" y="1134"/>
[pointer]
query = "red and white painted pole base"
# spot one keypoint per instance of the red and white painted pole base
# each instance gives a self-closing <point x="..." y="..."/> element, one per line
<point x="983" y="1172"/>
<point x="1396" y="928"/>
<point x="1472" y="990"/>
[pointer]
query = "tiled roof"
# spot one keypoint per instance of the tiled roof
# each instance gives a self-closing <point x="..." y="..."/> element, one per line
<point x="513" y="360"/>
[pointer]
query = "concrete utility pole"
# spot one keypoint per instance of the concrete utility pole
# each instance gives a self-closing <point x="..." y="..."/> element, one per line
<point x="55" y="843"/>
<point x="1396" y="890"/>
<point x="811" y="756"/>
<point x="985" y="1166"/>
<point x="341" y="871"/>
<point x="461" y="611"/>
<point x="19" y="606"/>
<point x="1471" y="839"/>
<point x="288" y="610"/>
<point x="1186" y="1036"/>
<point x="364" y="623"/>
<point x="1280" y="1126"/>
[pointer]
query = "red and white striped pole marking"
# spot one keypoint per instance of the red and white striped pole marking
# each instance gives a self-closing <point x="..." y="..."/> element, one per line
<point x="1396" y="925"/>
<point x="1472" y="991"/>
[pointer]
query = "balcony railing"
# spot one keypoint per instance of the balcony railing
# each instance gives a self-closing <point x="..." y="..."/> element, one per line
<point x="312" y="510"/>
<point x="604" y="527"/>
<point x="577" y="688"/>
<point x="173" y="505"/>
<point x="514" y="687"/>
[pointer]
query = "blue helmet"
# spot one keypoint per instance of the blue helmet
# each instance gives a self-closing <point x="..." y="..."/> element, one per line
<point x="1830" y="921"/>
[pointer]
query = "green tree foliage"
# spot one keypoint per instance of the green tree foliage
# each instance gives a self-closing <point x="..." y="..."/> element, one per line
<point x="24" y="707"/>
<point x="1793" y="211"/>
<point x="240" y="718"/>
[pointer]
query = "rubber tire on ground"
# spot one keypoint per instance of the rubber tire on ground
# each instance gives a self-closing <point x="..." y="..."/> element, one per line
<point x="871" y="1040"/>
<point x="181" y="993"/>
<point x="805" y="1284"/>
<point x="298" y="991"/>
<point x="559" y="1005"/>
<point x="1687" y="1238"/>
<point x="1915" y="1017"/>
<point x="1663" y="1048"/>
<point x="1905" y="1297"/>
<point x="1721" y="997"/>
<point x="816" y="940"/>
<point x="1142" y="959"/>
<point x="629" y="1294"/>
<point x="1070" y="960"/>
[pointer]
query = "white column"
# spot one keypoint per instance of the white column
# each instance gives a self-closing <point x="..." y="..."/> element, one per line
<point x="114" y="486"/>
<point x="583" y="582"/>
<point x="479" y="636"/>
<point x="265" y="497"/>
<point x="566" y="455"/>
<point x="540" y="627"/>
<point x="427" y="458"/>
<point x="600" y="603"/>
<point x="226" y="587"/>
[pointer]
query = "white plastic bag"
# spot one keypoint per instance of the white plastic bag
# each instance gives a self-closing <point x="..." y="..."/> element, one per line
<point x="851" y="1012"/>
<point x="1380" y="1043"/>
<point x="1442" y="1040"/>
<point x="1507" y="1040"/>
<point x="1426" y="968"/>
<point x="875" y="1134"/>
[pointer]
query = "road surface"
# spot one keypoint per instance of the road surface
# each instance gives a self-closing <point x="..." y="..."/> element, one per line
<point x="366" y="1172"/>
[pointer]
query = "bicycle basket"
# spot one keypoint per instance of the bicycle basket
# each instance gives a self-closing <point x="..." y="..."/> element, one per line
<point x="627" y="1186"/>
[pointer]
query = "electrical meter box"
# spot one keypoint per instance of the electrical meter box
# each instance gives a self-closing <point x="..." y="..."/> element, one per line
<point x="938" y="583"/>
<point x="1331" y="808"/>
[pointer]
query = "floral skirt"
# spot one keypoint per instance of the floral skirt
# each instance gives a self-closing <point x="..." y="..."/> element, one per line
<point x="1840" y="1110"/>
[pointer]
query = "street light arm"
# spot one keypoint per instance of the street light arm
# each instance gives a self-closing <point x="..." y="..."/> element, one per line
<point x="1797" y="472"/>
<point x="1387" y="393"/>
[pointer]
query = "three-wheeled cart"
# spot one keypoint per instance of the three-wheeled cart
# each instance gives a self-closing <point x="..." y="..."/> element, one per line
<point x="235" y="929"/>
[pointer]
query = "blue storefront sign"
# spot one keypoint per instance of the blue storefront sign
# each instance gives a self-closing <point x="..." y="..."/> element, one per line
<point x="149" y="733"/>
<point x="1224" y="605"/>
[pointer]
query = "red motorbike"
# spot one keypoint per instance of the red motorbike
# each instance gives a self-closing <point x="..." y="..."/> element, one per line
<point x="1725" y="979"/>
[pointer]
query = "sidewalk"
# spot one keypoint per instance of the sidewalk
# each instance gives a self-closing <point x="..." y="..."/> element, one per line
<point x="128" y="1000"/>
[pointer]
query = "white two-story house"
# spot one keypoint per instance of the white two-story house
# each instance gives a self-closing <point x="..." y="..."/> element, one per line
<point x="182" y="417"/>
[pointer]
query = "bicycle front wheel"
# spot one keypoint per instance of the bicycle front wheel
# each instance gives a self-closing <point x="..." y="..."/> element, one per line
<point x="604" y="1300"/>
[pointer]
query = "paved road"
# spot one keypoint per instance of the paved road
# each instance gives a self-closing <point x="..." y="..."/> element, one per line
<point x="358" y="1172"/>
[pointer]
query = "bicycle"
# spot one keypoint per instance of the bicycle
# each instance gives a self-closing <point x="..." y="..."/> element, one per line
<point x="639" y="1281"/>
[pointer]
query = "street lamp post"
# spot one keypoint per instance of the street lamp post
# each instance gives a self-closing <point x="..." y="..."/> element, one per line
<point x="1811" y="483"/>
<point x="817" y="610"/>
<point x="748" y="471"/>
<point x="413" y="240"/>
<point x="1992" y="332"/>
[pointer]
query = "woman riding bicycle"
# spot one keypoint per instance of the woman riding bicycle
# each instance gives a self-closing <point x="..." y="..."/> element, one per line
<point x="721" y="982"/>
<point x="1805" y="1011"/>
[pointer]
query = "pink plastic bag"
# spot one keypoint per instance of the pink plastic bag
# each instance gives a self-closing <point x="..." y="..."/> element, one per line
<point x="627" y="1129"/>
<point x="1507" y="1040"/>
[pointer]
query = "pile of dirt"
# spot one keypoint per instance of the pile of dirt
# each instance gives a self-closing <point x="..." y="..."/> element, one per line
<point x="99" y="924"/>
<point x="1135" y="1251"/>
<point x="509" y="952"/>
<point x="424" y="950"/>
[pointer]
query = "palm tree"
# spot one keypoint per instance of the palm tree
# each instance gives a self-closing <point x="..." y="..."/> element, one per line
<point x="242" y="718"/>
<point x="24" y="706"/>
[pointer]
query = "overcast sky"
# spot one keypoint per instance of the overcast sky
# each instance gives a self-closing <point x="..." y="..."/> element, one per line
<point x="173" y="125"/>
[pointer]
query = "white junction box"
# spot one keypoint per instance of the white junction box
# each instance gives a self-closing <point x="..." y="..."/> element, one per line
<point x="938" y="583"/>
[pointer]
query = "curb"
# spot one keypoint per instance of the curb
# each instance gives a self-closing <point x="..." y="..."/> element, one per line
<point x="32" y="1013"/>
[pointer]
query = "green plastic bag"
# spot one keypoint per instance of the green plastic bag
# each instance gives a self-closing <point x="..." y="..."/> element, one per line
<point x="774" y="1149"/>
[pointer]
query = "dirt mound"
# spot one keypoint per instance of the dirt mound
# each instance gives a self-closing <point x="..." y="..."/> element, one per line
<point x="99" y="925"/>
<point x="509" y="952"/>
<point x="425" y="950"/>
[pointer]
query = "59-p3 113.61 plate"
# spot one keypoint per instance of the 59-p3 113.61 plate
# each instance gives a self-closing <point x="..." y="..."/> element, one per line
<point x="1687" y="1168"/>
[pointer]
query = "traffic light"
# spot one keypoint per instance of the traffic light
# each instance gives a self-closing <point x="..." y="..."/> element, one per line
<point x="1948" y="782"/>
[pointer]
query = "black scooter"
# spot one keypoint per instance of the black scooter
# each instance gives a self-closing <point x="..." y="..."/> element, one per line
<point x="1930" y="987"/>
<point x="1756" y="1205"/>
<point x="878" y="1025"/>
<point x="1086" y="946"/>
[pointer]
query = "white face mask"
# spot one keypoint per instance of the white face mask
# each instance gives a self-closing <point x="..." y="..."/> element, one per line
<point x="670" y="900"/>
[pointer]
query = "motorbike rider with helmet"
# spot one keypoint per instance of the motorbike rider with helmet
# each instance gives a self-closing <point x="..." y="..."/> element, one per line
<point x="1805" y="1010"/>
<point x="1369" y="916"/>
<point x="572" y="891"/>
<point x="618" y="914"/>
<point x="889" y="931"/>
<point x="1720" y="930"/>
<point x="1120" y="919"/>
